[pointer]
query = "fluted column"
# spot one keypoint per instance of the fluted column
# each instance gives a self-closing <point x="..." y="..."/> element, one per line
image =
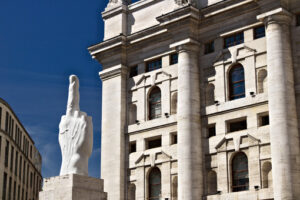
<point x="284" y="134"/>
<point x="189" y="149"/>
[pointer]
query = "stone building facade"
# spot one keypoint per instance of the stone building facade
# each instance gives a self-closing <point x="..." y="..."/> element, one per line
<point x="200" y="99"/>
<point x="20" y="161"/>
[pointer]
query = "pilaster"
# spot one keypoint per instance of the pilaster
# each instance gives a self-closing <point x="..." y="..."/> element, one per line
<point x="189" y="148"/>
<point x="113" y="131"/>
<point x="284" y="134"/>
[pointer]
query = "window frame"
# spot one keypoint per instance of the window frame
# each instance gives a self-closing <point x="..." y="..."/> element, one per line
<point x="153" y="104"/>
<point x="234" y="38"/>
<point x="238" y="173"/>
<point x="172" y="61"/>
<point x="234" y="84"/>
<point x="259" y="35"/>
<point x="149" y="69"/>
<point x="298" y="20"/>
<point x="209" y="47"/>
<point x="150" y="184"/>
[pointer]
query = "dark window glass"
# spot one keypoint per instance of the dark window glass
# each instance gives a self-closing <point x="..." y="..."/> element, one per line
<point x="209" y="47"/>
<point x="0" y="118"/>
<point x="15" y="188"/>
<point x="233" y="40"/>
<point x="132" y="147"/>
<point x="237" y="82"/>
<point x="30" y="151"/>
<point x="133" y="71"/>
<point x="265" y="120"/>
<point x="6" y="153"/>
<point x="12" y="158"/>
<point x="211" y="130"/>
<point x="240" y="177"/>
<point x="31" y="179"/>
<point x="18" y="192"/>
<point x="154" y="143"/>
<point x="16" y="163"/>
<point x="174" y="138"/>
<point x="298" y="20"/>
<point x="27" y="175"/>
<point x="153" y="65"/>
<point x="155" y="103"/>
<point x="9" y="189"/>
<point x="20" y="169"/>
<point x="6" y="122"/>
<point x="4" y="186"/>
<point x="24" y="170"/>
<point x="155" y="184"/>
<point x="12" y="129"/>
<point x="237" y="126"/>
<point x="22" y="197"/>
<point x="173" y="58"/>
<point x="259" y="32"/>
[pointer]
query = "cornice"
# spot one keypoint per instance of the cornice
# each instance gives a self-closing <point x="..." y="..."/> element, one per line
<point x="113" y="72"/>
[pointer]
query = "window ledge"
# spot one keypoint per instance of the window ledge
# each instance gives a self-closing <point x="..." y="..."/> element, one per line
<point x="151" y="124"/>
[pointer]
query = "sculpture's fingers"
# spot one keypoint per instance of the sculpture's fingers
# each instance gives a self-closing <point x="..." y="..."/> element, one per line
<point x="73" y="98"/>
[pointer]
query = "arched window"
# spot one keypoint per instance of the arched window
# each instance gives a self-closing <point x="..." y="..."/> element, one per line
<point x="155" y="103"/>
<point x="174" y="103"/>
<point x="155" y="184"/>
<point x="236" y="82"/>
<point x="240" y="177"/>
<point x="212" y="182"/>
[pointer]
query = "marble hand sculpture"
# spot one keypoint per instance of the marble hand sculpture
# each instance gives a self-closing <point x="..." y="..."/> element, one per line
<point x="75" y="134"/>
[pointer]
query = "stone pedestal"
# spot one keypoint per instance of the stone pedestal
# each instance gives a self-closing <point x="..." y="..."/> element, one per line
<point x="72" y="187"/>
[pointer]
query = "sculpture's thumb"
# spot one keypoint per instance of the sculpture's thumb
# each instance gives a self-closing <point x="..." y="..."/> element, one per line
<point x="73" y="98"/>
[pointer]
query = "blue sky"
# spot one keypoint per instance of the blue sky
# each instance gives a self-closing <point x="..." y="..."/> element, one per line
<point x="42" y="42"/>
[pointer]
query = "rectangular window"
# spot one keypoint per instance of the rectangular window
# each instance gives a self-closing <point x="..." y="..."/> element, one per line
<point x="133" y="71"/>
<point x="12" y="128"/>
<point x="24" y="170"/>
<point x="298" y="20"/>
<point x="31" y="179"/>
<point x="209" y="47"/>
<point x="173" y="58"/>
<point x="153" y="65"/>
<point x="22" y="194"/>
<point x="237" y="125"/>
<point x="233" y="40"/>
<point x="211" y="130"/>
<point x="20" y="169"/>
<point x="263" y="119"/>
<point x="15" y="188"/>
<point x="12" y="158"/>
<point x="16" y="163"/>
<point x="259" y="32"/>
<point x="6" y="153"/>
<point x="174" y="138"/>
<point x="4" y="186"/>
<point x="0" y="145"/>
<point x="30" y="151"/>
<point x="9" y="188"/>
<point x="27" y="175"/>
<point x="132" y="147"/>
<point x="6" y="122"/>
<point x="18" y="192"/>
<point x="154" y="142"/>
<point x="0" y="118"/>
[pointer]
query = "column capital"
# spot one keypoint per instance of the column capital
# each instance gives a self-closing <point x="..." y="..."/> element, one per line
<point x="112" y="72"/>
<point x="115" y="3"/>
<point x="277" y="16"/>
<point x="188" y="44"/>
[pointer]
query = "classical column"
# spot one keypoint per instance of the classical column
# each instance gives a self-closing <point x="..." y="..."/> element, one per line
<point x="189" y="149"/>
<point x="284" y="134"/>
<point x="113" y="123"/>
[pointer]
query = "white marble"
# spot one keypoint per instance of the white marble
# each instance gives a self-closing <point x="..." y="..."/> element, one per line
<point x="72" y="187"/>
<point x="75" y="134"/>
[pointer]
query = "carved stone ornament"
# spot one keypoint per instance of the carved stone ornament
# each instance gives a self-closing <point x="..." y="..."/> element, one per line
<point x="75" y="134"/>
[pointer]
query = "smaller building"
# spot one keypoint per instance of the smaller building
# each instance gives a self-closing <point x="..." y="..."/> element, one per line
<point x="20" y="161"/>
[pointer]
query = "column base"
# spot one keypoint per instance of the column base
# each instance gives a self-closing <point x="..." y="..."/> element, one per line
<point x="72" y="187"/>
